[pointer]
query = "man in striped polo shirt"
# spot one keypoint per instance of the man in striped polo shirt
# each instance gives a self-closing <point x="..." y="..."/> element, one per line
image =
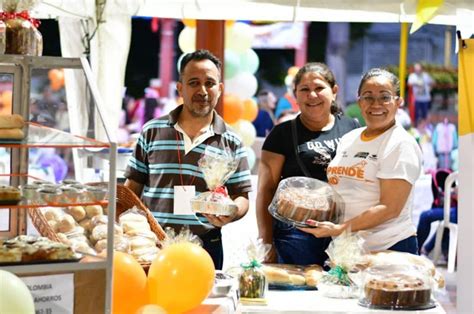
<point x="163" y="170"/>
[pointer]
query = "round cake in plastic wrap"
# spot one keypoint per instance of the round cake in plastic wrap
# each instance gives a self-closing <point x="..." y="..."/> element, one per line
<point x="396" y="287"/>
<point x="298" y="199"/>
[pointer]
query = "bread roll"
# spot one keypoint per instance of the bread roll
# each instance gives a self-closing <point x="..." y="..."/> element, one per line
<point x="137" y="243"/>
<point x="297" y="280"/>
<point x="12" y="134"/>
<point x="14" y="121"/>
<point x="276" y="275"/>
<point x="100" y="245"/>
<point x="135" y="225"/>
<point x="77" y="212"/>
<point x="143" y="233"/>
<point x="66" y="224"/>
<point x="51" y="215"/>
<point x="86" y="224"/>
<point x="94" y="210"/>
<point x="132" y="217"/>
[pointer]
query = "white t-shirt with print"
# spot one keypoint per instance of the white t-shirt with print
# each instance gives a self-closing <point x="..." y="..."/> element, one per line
<point x="355" y="172"/>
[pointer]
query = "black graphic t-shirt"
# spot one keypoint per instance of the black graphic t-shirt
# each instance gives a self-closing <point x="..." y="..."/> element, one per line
<point x="316" y="149"/>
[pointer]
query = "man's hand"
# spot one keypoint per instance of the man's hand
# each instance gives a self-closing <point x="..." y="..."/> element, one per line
<point x="219" y="220"/>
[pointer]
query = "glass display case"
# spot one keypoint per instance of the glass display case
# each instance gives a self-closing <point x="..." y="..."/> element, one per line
<point x="59" y="143"/>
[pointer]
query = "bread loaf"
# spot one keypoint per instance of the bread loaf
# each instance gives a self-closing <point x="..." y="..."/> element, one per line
<point x="14" y="121"/>
<point x="11" y="134"/>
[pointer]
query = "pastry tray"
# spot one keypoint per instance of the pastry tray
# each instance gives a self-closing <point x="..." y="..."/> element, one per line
<point x="430" y="305"/>
<point x="213" y="208"/>
<point x="289" y="286"/>
<point x="54" y="261"/>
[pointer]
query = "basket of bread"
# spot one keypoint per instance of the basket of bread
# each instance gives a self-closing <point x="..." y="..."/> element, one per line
<point x="84" y="228"/>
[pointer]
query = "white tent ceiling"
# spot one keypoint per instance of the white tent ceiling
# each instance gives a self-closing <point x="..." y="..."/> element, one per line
<point x="274" y="10"/>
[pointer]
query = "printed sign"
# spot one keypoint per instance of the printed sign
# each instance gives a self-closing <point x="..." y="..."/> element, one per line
<point x="52" y="294"/>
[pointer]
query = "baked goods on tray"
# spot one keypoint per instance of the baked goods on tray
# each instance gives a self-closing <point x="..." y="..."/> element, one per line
<point x="9" y="195"/>
<point x="25" y="248"/>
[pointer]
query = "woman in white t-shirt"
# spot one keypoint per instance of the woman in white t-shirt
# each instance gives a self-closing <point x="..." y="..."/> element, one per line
<point x="374" y="171"/>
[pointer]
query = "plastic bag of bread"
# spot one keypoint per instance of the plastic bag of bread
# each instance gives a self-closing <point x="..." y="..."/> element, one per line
<point x="121" y="244"/>
<point x="345" y="251"/>
<point x="299" y="199"/>
<point x="22" y="35"/>
<point x="217" y="169"/>
<point x="100" y="232"/>
<point x="134" y="220"/>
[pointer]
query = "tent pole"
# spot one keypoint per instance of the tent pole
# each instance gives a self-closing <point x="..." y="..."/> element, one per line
<point x="210" y="35"/>
<point x="403" y="57"/>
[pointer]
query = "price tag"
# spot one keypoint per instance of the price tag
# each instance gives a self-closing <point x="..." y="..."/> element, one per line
<point x="52" y="294"/>
<point x="182" y="199"/>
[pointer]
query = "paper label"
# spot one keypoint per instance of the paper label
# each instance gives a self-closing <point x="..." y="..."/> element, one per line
<point x="52" y="294"/>
<point x="182" y="199"/>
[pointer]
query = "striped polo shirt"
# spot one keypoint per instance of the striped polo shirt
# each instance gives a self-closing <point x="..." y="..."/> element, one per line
<point x="156" y="165"/>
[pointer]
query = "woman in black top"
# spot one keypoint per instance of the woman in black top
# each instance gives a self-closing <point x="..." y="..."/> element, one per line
<point x="318" y="129"/>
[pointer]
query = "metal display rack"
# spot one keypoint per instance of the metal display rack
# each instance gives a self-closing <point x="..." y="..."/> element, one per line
<point x="38" y="136"/>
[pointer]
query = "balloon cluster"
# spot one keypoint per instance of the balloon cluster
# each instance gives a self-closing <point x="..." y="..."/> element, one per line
<point x="240" y="64"/>
<point x="179" y="279"/>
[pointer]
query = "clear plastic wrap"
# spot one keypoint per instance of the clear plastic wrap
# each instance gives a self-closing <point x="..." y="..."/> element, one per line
<point x="396" y="287"/>
<point x="217" y="169"/>
<point x="252" y="280"/>
<point x="298" y="199"/>
<point x="22" y="35"/>
<point x="345" y="252"/>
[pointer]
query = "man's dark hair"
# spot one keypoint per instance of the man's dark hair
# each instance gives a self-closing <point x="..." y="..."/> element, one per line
<point x="199" y="55"/>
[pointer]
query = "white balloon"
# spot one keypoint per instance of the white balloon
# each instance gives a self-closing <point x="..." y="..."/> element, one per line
<point x="246" y="131"/>
<point x="239" y="37"/>
<point x="15" y="297"/>
<point x="244" y="85"/>
<point x="187" y="39"/>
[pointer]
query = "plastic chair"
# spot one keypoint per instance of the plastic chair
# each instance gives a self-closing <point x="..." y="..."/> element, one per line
<point x="453" y="227"/>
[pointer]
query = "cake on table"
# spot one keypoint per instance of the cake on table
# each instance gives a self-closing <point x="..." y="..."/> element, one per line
<point x="397" y="290"/>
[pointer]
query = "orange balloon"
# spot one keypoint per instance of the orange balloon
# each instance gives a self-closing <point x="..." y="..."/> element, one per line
<point x="229" y="23"/>
<point x="293" y="70"/>
<point x="181" y="277"/>
<point x="189" y="22"/>
<point x="233" y="108"/>
<point x="250" y="110"/>
<point x="6" y="99"/>
<point x="129" y="284"/>
<point x="56" y="79"/>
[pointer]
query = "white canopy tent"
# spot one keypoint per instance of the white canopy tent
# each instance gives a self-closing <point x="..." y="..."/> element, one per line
<point x="109" y="51"/>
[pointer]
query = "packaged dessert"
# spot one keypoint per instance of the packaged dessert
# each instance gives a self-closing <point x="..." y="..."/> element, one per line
<point x="299" y="199"/>
<point x="9" y="195"/>
<point x="345" y="251"/>
<point x="217" y="169"/>
<point x="252" y="280"/>
<point x="22" y="35"/>
<point x="401" y="258"/>
<point x="396" y="287"/>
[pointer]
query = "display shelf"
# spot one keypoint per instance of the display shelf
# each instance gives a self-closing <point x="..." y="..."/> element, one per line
<point x="54" y="267"/>
<point x="26" y="204"/>
<point x="38" y="135"/>
<point x="23" y="69"/>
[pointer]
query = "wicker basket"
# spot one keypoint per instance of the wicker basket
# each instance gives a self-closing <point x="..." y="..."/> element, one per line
<point x="126" y="199"/>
